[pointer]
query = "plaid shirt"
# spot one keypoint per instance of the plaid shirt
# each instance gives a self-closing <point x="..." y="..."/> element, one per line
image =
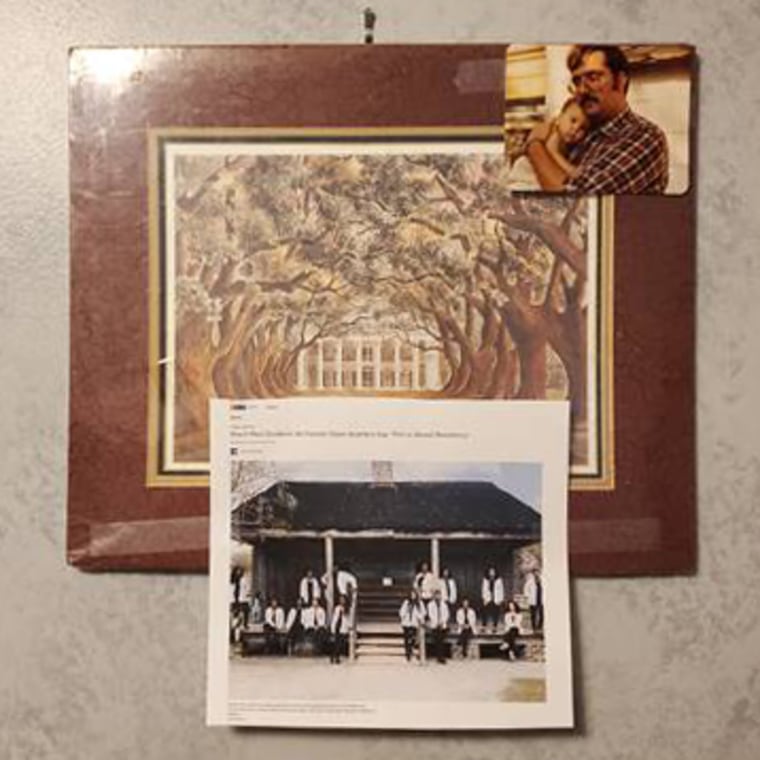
<point x="628" y="154"/>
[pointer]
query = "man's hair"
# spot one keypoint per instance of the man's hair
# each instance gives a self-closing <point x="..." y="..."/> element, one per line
<point x="614" y="57"/>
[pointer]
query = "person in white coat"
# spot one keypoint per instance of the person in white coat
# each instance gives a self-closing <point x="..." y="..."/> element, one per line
<point x="533" y="591"/>
<point x="412" y="616"/>
<point x="274" y="627"/>
<point x="339" y="629"/>
<point x="467" y="624"/>
<point x="314" y="620"/>
<point x="343" y="583"/>
<point x="257" y="609"/>
<point x="314" y="617"/>
<point x="448" y="588"/>
<point x="309" y="588"/>
<point x="425" y="582"/>
<point x="294" y="626"/>
<point x="492" y="595"/>
<point x="512" y="629"/>
<point x="240" y="586"/>
<point x="438" y="620"/>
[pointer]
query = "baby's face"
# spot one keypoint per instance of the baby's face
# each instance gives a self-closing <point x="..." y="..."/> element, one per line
<point x="572" y="124"/>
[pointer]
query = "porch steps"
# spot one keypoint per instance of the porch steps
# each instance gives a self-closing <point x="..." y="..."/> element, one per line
<point x="379" y="643"/>
<point x="378" y="603"/>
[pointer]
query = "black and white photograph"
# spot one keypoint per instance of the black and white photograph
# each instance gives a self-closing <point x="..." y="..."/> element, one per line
<point x="377" y="563"/>
<point x="346" y="578"/>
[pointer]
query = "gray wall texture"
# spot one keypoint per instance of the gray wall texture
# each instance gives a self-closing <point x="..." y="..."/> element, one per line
<point x="112" y="666"/>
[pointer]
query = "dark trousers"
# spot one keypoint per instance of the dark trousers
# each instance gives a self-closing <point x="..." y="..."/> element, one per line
<point x="338" y="646"/>
<point x="295" y="634"/>
<point x="318" y="638"/>
<point x="537" y="617"/>
<point x="236" y="622"/>
<point x="464" y="640"/>
<point x="491" y="614"/>
<point x="410" y="633"/>
<point x="510" y="639"/>
<point x="244" y="609"/>
<point x="439" y="644"/>
<point x="272" y="640"/>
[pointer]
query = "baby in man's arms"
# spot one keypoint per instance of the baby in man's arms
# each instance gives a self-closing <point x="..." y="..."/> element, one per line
<point x="568" y="128"/>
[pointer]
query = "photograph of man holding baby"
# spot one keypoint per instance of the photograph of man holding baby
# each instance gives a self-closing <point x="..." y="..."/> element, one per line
<point x="598" y="119"/>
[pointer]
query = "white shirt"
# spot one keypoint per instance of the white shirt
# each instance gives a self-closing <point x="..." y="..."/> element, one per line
<point x="448" y="588"/>
<point x="313" y="617"/>
<point x="345" y="581"/>
<point x="245" y="588"/>
<point x="425" y="584"/>
<point x="530" y="589"/>
<point x="513" y="620"/>
<point x="339" y="622"/>
<point x="438" y="613"/>
<point x="467" y="617"/>
<point x="303" y="589"/>
<point x="498" y="591"/>
<point x="411" y="614"/>
<point x="275" y="616"/>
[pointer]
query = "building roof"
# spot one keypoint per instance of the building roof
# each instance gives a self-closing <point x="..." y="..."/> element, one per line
<point x="409" y="507"/>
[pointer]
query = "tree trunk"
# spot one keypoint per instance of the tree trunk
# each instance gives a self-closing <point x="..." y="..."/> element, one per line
<point x="532" y="353"/>
<point x="481" y="377"/>
<point x="504" y="374"/>
<point x="567" y="336"/>
<point x="527" y="326"/>
<point x="459" y="379"/>
<point x="193" y="388"/>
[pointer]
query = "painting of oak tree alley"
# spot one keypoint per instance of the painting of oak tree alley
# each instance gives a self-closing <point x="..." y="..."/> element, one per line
<point x="412" y="273"/>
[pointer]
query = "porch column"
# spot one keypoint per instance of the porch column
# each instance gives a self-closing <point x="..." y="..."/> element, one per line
<point x="435" y="557"/>
<point x="320" y="365"/>
<point x="378" y="360"/>
<point x="359" y="379"/>
<point x="397" y="364"/>
<point x="301" y="371"/>
<point x="329" y="590"/>
<point x="260" y="573"/>
<point x="415" y="368"/>
<point x="432" y="370"/>
<point x="339" y="362"/>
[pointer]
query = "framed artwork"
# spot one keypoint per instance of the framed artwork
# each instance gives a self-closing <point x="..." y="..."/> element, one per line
<point x="368" y="263"/>
<point x="334" y="221"/>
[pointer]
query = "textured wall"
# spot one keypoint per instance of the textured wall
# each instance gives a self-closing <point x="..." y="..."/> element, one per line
<point x="112" y="666"/>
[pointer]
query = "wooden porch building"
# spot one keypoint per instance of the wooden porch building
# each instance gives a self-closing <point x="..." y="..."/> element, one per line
<point x="381" y="532"/>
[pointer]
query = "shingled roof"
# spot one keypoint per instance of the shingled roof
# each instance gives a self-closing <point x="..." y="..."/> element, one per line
<point x="413" y="507"/>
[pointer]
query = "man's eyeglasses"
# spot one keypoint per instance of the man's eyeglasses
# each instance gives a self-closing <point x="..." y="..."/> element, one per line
<point x="590" y="79"/>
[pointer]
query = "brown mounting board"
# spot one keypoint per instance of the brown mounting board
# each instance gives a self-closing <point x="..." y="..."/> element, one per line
<point x="645" y="525"/>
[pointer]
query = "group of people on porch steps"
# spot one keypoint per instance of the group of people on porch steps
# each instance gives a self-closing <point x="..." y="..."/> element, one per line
<point x="432" y="603"/>
<point x="306" y="620"/>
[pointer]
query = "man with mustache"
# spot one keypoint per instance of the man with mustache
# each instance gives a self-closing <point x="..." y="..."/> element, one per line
<point x="623" y="152"/>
